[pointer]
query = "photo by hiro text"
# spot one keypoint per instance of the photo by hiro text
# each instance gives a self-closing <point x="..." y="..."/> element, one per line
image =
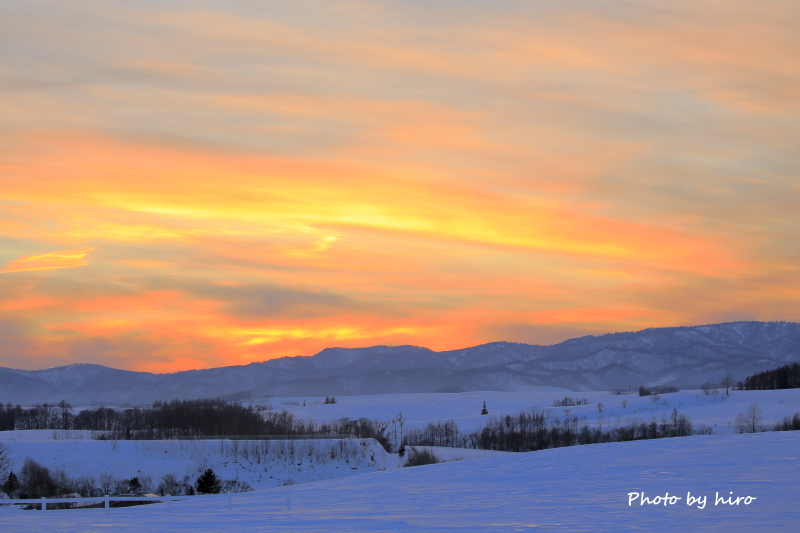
<point x="640" y="499"/>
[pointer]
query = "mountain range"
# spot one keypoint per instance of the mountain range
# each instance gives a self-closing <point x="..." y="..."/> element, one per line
<point x="684" y="357"/>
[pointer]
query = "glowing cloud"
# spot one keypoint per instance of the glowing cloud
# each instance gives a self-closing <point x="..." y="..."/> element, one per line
<point x="72" y="258"/>
<point x="269" y="179"/>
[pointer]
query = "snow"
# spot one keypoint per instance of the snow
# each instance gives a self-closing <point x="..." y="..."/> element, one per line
<point x="421" y="408"/>
<point x="460" y="454"/>
<point x="262" y="464"/>
<point x="582" y="488"/>
<point x="715" y="410"/>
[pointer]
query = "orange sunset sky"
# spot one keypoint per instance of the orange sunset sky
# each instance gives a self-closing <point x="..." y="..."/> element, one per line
<point x="196" y="184"/>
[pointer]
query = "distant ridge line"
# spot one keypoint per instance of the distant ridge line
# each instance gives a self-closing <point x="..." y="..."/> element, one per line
<point x="682" y="356"/>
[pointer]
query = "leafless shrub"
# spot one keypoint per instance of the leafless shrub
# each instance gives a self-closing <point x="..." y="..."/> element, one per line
<point x="749" y="422"/>
<point x="421" y="457"/>
<point x="106" y="482"/>
<point x="703" y="429"/>
<point x="169" y="485"/>
<point x="234" y="485"/>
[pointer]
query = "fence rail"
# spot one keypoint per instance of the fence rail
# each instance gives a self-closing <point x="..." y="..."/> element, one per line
<point x="110" y="435"/>
<point x="336" y="436"/>
<point x="226" y="498"/>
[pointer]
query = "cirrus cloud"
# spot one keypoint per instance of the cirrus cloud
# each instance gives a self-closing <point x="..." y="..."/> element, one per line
<point x="72" y="258"/>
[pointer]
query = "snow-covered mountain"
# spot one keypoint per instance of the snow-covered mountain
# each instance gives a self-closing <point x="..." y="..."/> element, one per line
<point x="681" y="356"/>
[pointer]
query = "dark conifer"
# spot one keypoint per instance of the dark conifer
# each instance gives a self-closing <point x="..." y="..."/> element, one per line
<point x="11" y="485"/>
<point x="208" y="483"/>
<point x="134" y="485"/>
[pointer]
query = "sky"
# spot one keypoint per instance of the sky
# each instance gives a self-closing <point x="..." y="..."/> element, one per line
<point x="199" y="184"/>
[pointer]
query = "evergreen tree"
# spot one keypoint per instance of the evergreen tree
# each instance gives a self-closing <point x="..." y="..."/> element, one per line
<point x="11" y="485"/>
<point x="208" y="483"/>
<point x="402" y="451"/>
<point x="134" y="485"/>
<point x="484" y="411"/>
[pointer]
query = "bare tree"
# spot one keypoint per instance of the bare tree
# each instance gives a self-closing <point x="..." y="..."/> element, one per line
<point x="749" y="422"/>
<point x="402" y="421"/>
<point x="727" y="382"/>
<point x="66" y="414"/>
<point x="84" y="485"/>
<point x="380" y="427"/>
<point x="169" y="485"/>
<point x="106" y="482"/>
<point x="5" y="460"/>
<point x="600" y="407"/>
<point x="754" y="418"/>
<point x="36" y="480"/>
<point x="740" y="424"/>
<point x="706" y="387"/>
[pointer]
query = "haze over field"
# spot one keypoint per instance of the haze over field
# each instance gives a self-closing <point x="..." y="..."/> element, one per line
<point x="192" y="185"/>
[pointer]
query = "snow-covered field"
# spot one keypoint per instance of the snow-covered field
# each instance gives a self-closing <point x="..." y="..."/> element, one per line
<point x="356" y="486"/>
<point x="715" y="410"/>
<point x="261" y="464"/>
<point x="268" y="464"/>
<point x="584" y="488"/>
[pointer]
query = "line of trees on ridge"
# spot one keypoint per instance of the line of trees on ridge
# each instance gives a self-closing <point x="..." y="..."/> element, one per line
<point x="785" y="377"/>
<point x="186" y="419"/>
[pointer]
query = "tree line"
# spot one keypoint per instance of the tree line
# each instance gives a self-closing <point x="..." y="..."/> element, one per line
<point x="785" y="377"/>
<point x="38" y="481"/>
<point x="538" y="429"/>
<point x="177" y="419"/>
<point x="651" y="391"/>
<point x="534" y="429"/>
<point x="43" y="416"/>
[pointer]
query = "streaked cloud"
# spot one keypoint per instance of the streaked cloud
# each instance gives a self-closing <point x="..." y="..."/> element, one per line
<point x="72" y="258"/>
<point x="260" y="180"/>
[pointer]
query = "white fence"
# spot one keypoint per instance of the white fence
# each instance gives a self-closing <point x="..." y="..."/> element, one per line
<point x="224" y="499"/>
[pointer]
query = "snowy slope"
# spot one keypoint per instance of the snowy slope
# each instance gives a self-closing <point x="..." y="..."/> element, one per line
<point x="275" y="463"/>
<point x="262" y="464"/>
<point x="568" y="489"/>
<point x="715" y="410"/>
